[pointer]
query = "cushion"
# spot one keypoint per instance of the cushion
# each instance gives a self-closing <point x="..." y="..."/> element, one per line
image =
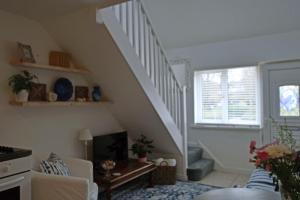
<point x="54" y="165"/>
<point x="261" y="179"/>
<point x="93" y="191"/>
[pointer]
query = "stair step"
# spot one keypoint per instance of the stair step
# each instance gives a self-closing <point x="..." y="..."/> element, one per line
<point x="194" y="154"/>
<point x="199" y="169"/>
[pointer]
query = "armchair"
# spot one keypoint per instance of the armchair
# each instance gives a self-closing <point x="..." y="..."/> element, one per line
<point x="78" y="186"/>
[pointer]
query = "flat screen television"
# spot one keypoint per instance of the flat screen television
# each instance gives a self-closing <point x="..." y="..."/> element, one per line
<point x="110" y="147"/>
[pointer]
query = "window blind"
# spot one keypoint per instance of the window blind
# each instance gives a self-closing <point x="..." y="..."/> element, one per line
<point x="227" y="96"/>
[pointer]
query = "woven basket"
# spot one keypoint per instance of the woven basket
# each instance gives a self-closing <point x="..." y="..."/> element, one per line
<point x="59" y="59"/>
<point x="164" y="174"/>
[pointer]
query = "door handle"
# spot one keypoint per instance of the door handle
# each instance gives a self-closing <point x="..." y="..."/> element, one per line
<point x="12" y="182"/>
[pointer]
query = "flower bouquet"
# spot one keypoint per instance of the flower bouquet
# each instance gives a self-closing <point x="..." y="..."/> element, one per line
<point x="108" y="165"/>
<point x="282" y="161"/>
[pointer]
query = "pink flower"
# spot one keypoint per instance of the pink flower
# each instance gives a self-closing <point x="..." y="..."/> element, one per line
<point x="262" y="155"/>
<point x="257" y="162"/>
<point x="252" y="146"/>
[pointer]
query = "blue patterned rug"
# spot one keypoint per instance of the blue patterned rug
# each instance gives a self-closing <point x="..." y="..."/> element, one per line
<point x="180" y="191"/>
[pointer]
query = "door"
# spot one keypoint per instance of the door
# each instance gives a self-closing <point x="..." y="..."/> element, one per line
<point x="281" y="89"/>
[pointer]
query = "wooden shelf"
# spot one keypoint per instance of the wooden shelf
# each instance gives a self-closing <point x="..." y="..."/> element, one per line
<point x="56" y="103"/>
<point x="48" y="67"/>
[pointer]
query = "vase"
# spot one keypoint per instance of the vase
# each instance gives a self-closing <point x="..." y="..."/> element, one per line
<point x="52" y="97"/>
<point x="142" y="159"/>
<point x="22" y="96"/>
<point x="107" y="173"/>
<point x="96" y="94"/>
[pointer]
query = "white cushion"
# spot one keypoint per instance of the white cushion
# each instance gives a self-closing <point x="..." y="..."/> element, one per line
<point x="93" y="191"/>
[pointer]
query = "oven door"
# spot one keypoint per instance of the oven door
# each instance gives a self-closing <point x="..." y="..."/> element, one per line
<point x="16" y="187"/>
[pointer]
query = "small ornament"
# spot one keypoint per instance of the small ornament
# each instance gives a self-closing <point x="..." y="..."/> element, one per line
<point x="52" y="96"/>
<point x="96" y="94"/>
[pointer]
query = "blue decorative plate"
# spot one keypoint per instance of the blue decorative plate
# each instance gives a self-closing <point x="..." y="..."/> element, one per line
<point x="64" y="89"/>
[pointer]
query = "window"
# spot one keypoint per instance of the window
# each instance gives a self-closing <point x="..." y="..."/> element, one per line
<point x="227" y="96"/>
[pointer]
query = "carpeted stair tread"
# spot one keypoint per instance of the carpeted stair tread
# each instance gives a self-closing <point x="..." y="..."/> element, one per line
<point x="194" y="154"/>
<point x="197" y="170"/>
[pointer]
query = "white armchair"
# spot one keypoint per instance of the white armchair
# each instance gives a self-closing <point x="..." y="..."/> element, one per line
<point x="78" y="186"/>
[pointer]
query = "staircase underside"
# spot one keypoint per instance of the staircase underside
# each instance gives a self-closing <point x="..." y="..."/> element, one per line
<point x="92" y="46"/>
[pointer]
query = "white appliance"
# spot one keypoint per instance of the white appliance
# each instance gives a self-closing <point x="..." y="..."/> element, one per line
<point x="15" y="174"/>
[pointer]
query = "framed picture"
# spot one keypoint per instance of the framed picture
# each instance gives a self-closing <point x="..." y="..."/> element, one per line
<point x="81" y="92"/>
<point x="38" y="92"/>
<point x="26" y="54"/>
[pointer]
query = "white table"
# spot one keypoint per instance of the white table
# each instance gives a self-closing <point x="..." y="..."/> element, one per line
<point x="238" y="194"/>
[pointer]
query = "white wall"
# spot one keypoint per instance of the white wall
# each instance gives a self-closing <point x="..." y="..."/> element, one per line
<point x="230" y="147"/>
<point x="179" y="70"/>
<point x="93" y="46"/>
<point x="43" y="129"/>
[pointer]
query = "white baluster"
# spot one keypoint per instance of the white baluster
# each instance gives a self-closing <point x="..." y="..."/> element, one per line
<point x="155" y="60"/>
<point x="150" y="52"/>
<point x="175" y="101"/>
<point x="129" y="21"/>
<point x="118" y="12"/>
<point x="136" y="24"/>
<point x="133" y="25"/>
<point x="139" y="29"/>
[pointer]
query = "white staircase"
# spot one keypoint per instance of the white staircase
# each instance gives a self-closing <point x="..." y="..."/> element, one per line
<point x="130" y="20"/>
<point x="120" y="47"/>
<point x="137" y="26"/>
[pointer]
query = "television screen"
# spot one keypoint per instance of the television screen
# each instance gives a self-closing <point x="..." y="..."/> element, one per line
<point x="110" y="147"/>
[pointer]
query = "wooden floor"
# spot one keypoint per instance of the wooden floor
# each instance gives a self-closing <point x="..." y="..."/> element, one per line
<point x="223" y="179"/>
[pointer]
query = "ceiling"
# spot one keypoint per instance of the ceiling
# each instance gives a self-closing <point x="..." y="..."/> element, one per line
<point x="44" y="9"/>
<point x="182" y="23"/>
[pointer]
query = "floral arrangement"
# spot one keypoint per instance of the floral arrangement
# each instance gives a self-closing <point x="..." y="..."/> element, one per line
<point x="281" y="159"/>
<point x="108" y="165"/>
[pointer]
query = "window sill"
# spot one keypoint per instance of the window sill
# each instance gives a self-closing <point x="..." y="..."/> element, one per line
<point x="227" y="126"/>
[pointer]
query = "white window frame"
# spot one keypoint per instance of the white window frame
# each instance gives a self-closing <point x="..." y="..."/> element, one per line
<point x="206" y="124"/>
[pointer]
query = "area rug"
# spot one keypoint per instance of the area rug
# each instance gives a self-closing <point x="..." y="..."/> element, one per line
<point x="180" y="191"/>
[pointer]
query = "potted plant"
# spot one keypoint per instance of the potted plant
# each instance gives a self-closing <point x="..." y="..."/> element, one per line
<point x="21" y="85"/>
<point x="142" y="147"/>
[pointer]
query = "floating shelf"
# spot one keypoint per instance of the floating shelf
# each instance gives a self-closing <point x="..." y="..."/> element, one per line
<point x="56" y="103"/>
<point x="48" y="67"/>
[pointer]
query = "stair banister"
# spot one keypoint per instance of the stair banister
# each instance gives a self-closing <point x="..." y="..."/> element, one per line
<point x="137" y="26"/>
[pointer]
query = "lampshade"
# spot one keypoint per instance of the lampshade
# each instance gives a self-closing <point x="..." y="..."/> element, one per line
<point x="85" y="135"/>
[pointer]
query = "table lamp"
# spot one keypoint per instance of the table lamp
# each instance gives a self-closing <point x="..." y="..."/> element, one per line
<point x="85" y="136"/>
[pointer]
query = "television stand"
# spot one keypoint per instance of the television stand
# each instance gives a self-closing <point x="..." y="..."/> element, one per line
<point x="129" y="170"/>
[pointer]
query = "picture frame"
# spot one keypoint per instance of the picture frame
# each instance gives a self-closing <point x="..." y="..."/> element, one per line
<point x="38" y="92"/>
<point x="25" y="52"/>
<point x="82" y="92"/>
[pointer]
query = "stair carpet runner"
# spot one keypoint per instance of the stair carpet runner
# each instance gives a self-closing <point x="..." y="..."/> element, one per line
<point x="198" y="167"/>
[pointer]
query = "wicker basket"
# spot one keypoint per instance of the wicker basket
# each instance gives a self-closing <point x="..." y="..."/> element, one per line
<point x="164" y="174"/>
<point x="59" y="59"/>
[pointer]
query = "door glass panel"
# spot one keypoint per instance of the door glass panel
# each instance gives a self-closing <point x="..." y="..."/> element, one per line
<point x="289" y="100"/>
